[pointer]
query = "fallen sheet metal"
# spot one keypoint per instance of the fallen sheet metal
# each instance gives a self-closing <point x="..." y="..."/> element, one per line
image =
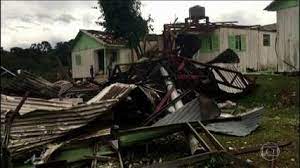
<point x="32" y="104"/>
<point x="201" y="108"/>
<point x="37" y="128"/>
<point x="249" y="122"/>
<point x="38" y="86"/>
<point x="114" y="91"/>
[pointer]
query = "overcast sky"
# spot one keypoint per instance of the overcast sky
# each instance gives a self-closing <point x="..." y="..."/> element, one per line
<point x="27" y="22"/>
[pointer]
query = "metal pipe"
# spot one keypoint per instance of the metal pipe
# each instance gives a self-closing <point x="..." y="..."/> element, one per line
<point x="194" y="143"/>
<point x="170" y="85"/>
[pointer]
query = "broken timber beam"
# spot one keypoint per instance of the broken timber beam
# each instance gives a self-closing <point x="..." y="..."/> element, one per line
<point x="217" y="144"/>
<point x="198" y="137"/>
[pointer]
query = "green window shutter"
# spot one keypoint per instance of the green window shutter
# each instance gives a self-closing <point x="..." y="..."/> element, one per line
<point x="215" y="42"/>
<point x="231" y="42"/>
<point x="243" y="42"/>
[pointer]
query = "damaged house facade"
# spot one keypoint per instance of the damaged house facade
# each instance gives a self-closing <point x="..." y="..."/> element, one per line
<point x="205" y="40"/>
<point x="102" y="51"/>
<point x="97" y="49"/>
<point x="271" y="47"/>
<point x="287" y="45"/>
<point x="254" y="45"/>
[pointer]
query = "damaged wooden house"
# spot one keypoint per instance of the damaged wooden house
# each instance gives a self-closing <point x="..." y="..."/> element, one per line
<point x="100" y="51"/>
<point x="202" y="40"/>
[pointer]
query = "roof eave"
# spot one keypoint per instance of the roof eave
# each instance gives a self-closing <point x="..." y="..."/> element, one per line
<point x="101" y="41"/>
<point x="278" y="5"/>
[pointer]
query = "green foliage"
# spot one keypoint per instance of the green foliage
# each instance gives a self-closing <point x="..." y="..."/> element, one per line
<point x="63" y="51"/>
<point x="123" y="19"/>
<point x="41" y="48"/>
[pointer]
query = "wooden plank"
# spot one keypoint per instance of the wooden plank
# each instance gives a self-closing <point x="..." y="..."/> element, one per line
<point x="198" y="137"/>
<point x="213" y="139"/>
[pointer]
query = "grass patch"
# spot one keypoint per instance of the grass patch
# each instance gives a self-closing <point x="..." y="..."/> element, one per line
<point x="280" y="97"/>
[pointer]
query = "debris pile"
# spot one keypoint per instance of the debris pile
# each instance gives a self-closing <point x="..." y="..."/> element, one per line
<point x="142" y="106"/>
<point x="69" y="124"/>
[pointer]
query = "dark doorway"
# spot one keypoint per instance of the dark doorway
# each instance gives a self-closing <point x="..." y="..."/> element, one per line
<point x="100" y="54"/>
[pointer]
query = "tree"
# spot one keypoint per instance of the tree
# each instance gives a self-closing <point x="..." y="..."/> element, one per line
<point x="41" y="48"/>
<point x="63" y="51"/>
<point x="17" y="51"/>
<point x="123" y="19"/>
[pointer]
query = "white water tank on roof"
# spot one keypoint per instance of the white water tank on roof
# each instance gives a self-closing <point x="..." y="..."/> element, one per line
<point x="197" y="12"/>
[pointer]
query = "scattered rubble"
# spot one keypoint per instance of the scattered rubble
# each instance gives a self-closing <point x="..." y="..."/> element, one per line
<point x="145" y="106"/>
<point x="91" y="124"/>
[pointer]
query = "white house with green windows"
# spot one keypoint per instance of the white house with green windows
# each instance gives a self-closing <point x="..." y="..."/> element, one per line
<point x="255" y="45"/>
<point x="99" y="50"/>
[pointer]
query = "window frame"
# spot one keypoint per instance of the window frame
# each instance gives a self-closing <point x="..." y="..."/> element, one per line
<point x="209" y="43"/>
<point x="268" y="40"/>
<point x="78" y="59"/>
<point x="238" y="42"/>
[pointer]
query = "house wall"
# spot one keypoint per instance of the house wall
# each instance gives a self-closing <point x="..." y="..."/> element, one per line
<point x="85" y="47"/>
<point x="207" y="56"/>
<point x="249" y="57"/>
<point x="288" y="39"/>
<point x="267" y="56"/>
<point x="255" y="56"/>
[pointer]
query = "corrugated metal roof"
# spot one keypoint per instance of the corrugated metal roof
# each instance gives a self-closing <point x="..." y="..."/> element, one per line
<point x="200" y="108"/>
<point x="25" y="81"/>
<point x="229" y="76"/>
<point x="32" y="104"/>
<point x="280" y="4"/>
<point x="37" y="128"/>
<point x="105" y="37"/>
<point x="249" y="122"/>
<point x="113" y="91"/>
<point x="269" y="27"/>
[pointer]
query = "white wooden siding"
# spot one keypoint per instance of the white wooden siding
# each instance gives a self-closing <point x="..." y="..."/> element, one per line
<point x="267" y="55"/>
<point x="288" y="39"/>
<point x="256" y="56"/>
<point x="87" y="59"/>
